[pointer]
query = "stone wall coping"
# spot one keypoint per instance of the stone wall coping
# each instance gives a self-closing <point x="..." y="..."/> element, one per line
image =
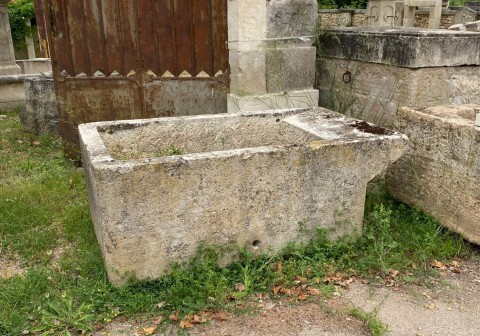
<point x="403" y="31"/>
<point x="15" y="79"/>
<point x="421" y="47"/>
<point x="343" y="10"/>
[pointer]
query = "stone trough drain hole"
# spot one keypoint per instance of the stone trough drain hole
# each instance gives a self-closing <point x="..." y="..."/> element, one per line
<point x="256" y="244"/>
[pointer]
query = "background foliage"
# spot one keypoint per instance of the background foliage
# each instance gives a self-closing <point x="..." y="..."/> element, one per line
<point x="325" y="4"/>
<point x="19" y="12"/>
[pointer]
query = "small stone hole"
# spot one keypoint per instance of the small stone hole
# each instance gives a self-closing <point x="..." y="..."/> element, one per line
<point x="256" y="244"/>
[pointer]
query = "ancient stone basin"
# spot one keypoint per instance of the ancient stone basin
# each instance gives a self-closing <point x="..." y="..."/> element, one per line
<point x="160" y="187"/>
<point x="440" y="174"/>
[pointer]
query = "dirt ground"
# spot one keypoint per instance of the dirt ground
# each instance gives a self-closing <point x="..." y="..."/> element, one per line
<point x="448" y="305"/>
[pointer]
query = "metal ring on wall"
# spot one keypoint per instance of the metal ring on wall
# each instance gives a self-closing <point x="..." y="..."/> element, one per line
<point x="347" y="77"/>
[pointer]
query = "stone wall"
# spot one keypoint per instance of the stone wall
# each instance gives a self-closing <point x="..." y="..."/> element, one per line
<point x="370" y="72"/>
<point x="357" y="18"/>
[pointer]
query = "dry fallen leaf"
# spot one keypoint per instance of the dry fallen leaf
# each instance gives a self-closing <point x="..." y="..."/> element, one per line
<point x="149" y="330"/>
<point x="279" y="267"/>
<point x="298" y="279"/>
<point x="393" y="273"/>
<point x="158" y="319"/>
<point x="313" y="291"/>
<point x="173" y="317"/>
<point x="439" y="265"/>
<point x="302" y="297"/>
<point x="36" y="143"/>
<point x="222" y="316"/>
<point x="185" y="324"/>
<point x="239" y="287"/>
<point x="456" y="270"/>
<point x="276" y="289"/>
<point x="161" y="304"/>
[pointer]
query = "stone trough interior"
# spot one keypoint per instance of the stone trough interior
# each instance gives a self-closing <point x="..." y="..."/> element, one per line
<point x="198" y="135"/>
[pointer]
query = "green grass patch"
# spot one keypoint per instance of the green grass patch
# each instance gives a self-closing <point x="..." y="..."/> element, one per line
<point x="45" y="226"/>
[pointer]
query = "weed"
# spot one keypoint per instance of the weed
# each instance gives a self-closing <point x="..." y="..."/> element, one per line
<point x="44" y="209"/>
<point x="169" y="151"/>
<point x="371" y="320"/>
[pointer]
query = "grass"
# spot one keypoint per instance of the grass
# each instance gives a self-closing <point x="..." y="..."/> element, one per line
<point x="45" y="227"/>
<point x="371" y="320"/>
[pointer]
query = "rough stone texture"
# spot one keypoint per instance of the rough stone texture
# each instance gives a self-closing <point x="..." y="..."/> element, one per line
<point x="40" y="113"/>
<point x="440" y="174"/>
<point x="35" y="65"/>
<point x="330" y="18"/>
<point x="382" y="13"/>
<point x="288" y="100"/>
<point x="419" y="47"/>
<point x="270" y="49"/>
<point x="458" y="26"/>
<point x="12" y="94"/>
<point x="464" y="14"/>
<point x="473" y="26"/>
<point x="376" y="91"/>
<point x="287" y="18"/>
<point x="289" y="69"/>
<point x="257" y="180"/>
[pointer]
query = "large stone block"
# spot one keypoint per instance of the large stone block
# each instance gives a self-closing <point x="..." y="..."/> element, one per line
<point x="289" y="18"/>
<point x="440" y="174"/>
<point x="158" y="188"/>
<point x="290" y="68"/>
<point x="374" y="92"/>
<point x="40" y="113"/>
<point x="405" y="47"/>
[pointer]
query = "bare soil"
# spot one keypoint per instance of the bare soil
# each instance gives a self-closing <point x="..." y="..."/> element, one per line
<point x="445" y="305"/>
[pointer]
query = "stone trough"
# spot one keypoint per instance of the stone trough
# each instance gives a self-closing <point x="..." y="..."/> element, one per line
<point x="160" y="187"/>
<point x="440" y="174"/>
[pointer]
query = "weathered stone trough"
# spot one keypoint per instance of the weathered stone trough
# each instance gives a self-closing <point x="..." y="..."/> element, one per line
<point x="440" y="174"/>
<point x="258" y="180"/>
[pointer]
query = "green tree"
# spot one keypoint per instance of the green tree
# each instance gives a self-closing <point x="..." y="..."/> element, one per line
<point x="19" y="12"/>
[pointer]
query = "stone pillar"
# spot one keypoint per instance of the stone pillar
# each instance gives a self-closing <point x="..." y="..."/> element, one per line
<point x="7" y="55"/>
<point x="272" y="60"/>
<point x="30" y="43"/>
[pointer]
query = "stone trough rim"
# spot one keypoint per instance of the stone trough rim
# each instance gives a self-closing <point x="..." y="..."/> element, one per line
<point x="102" y="156"/>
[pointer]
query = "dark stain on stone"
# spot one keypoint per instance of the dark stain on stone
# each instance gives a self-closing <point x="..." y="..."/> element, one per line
<point x="368" y="128"/>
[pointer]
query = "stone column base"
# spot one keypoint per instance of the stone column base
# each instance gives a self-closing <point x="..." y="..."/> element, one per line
<point x="272" y="101"/>
<point x="9" y="68"/>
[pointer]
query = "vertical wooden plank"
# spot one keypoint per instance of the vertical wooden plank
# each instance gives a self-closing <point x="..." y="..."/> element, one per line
<point x="113" y="38"/>
<point x="184" y="36"/>
<point x="75" y="13"/>
<point x="147" y="34"/>
<point x="202" y="28"/>
<point x="94" y="37"/>
<point x="57" y="30"/>
<point x="166" y="36"/>
<point x="220" y="34"/>
<point x="42" y="29"/>
<point x="129" y="33"/>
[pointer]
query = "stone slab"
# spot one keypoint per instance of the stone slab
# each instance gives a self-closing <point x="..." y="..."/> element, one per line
<point x="374" y="92"/>
<point x="440" y="174"/>
<point x="258" y="180"/>
<point x="405" y="47"/>
<point x="272" y="101"/>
